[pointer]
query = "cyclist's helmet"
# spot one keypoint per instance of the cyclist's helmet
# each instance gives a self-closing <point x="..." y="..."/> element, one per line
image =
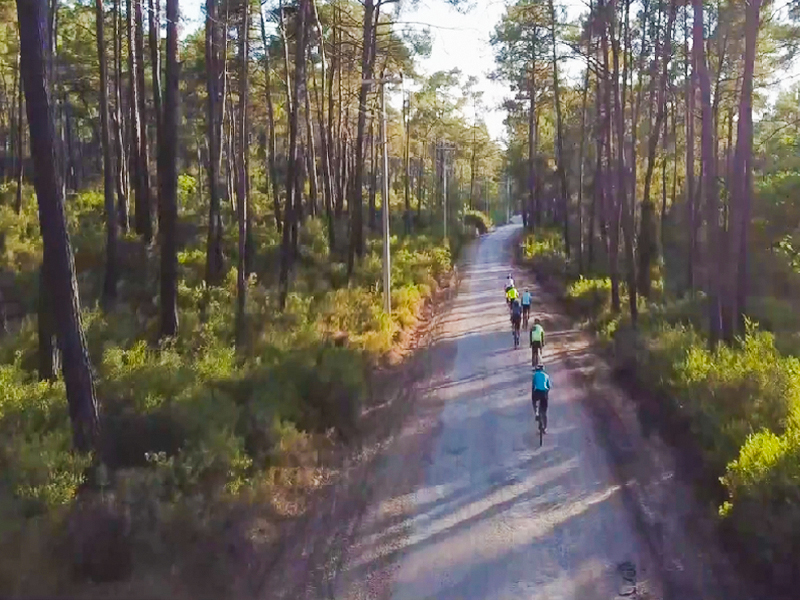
<point x="536" y="321"/>
<point x="539" y="367"/>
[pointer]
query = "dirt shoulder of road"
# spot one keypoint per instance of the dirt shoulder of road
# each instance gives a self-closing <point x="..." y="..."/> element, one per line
<point x="308" y="560"/>
<point x="677" y="523"/>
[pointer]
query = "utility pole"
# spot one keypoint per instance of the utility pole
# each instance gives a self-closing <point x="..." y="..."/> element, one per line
<point x="387" y="271"/>
<point x="508" y="198"/>
<point x="443" y="148"/>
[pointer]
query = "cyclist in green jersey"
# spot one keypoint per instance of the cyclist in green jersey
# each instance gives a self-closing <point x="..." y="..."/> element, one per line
<point x="537" y="340"/>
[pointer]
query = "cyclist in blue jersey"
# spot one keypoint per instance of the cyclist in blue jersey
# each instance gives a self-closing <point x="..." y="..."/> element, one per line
<point x="540" y="390"/>
<point x="526" y="307"/>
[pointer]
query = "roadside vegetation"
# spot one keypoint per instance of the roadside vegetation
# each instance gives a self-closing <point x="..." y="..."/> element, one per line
<point x="739" y="402"/>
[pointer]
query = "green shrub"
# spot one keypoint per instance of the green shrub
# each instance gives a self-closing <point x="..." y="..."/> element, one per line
<point x="763" y="506"/>
<point x="589" y="297"/>
<point x="477" y="220"/>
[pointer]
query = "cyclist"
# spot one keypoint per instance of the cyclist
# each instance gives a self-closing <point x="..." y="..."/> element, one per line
<point x="516" y="317"/>
<point x="509" y="282"/>
<point x="511" y="295"/>
<point x="537" y="340"/>
<point x="526" y="306"/>
<point x="540" y="390"/>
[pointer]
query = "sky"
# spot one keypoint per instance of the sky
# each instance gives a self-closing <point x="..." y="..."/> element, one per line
<point x="461" y="39"/>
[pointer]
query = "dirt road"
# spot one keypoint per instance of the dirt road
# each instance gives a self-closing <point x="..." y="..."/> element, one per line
<point x="468" y="506"/>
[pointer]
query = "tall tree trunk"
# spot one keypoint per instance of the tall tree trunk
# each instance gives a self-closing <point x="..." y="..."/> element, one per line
<point x="168" y="206"/>
<point x="373" y="153"/>
<point x="582" y="146"/>
<point x="271" y="146"/>
<point x="59" y="266"/>
<point x="334" y="141"/>
<point x="690" y="140"/>
<point x="324" y="131"/>
<point x="562" y="172"/>
<point x="407" y="163"/>
<point x="648" y="244"/>
<point x="141" y="194"/>
<point x="110" y="278"/>
<point x="532" y="219"/>
<point x="215" y="86"/>
<point x="742" y="182"/>
<point x="287" y="253"/>
<point x="144" y="148"/>
<point x="357" y="209"/>
<point x="154" y="21"/>
<point x="709" y="175"/>
<point x="120" y="143"/>
<point x="244" y="175"/>
<point x="614" y="203"/>
<point x="311" y="159"/>
<point x="20" y="146"/>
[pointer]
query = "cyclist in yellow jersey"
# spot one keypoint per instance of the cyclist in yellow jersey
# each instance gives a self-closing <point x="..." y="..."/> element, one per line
<point x="511" y="295"/>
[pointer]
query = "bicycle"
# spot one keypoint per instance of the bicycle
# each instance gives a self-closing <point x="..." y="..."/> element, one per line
<point x="541" y="419"/>
<point x="536" y="356"/>
<point x="541" y="429"/>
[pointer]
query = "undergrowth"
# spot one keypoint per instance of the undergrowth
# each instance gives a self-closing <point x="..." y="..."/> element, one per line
<point x="191" y="428"/>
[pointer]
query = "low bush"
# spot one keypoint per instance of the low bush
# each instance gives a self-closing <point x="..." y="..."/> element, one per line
<point x="589" y="297"/>
<point x="477" y="220"/>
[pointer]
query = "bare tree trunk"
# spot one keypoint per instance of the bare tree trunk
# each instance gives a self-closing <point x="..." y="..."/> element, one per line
<point x="141" y="209"/>
<point x="648" y="244"/>
<point x="742" y="182"/>
<point x="373" y="160"/>
<point x="356" y="248"/>
<point x="614" y="202"/>
<point x="562" y="172"/>
<point x="154" y="21"/>
<point x="110" y="278"/>
<point x="690" y="138"/>
<point x="407" y="164"/>
<point x="325" y="131"/>
<point x="20" y="145"/>
<point x="120" y="143"/>
<point x="287" y="253"/>
<point x="582" y="148"/>
<point x="144" y="138"/>
<point x="242" y="179"/>
<point x="271" y="146"/>
<point x="709" y="175"/>
<point x="532" y="219"/>
<point x="215" y="79"/>
<point x="59" y="266"/>
<point x="311" y="159"/>
<point x="168" y="206"/>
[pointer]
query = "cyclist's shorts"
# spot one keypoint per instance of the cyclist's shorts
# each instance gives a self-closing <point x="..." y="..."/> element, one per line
<point x="536" y="345"/>
<point x="541" y="396"/>
<point x="515" y="319"/>
<point x="526" y="308"/>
